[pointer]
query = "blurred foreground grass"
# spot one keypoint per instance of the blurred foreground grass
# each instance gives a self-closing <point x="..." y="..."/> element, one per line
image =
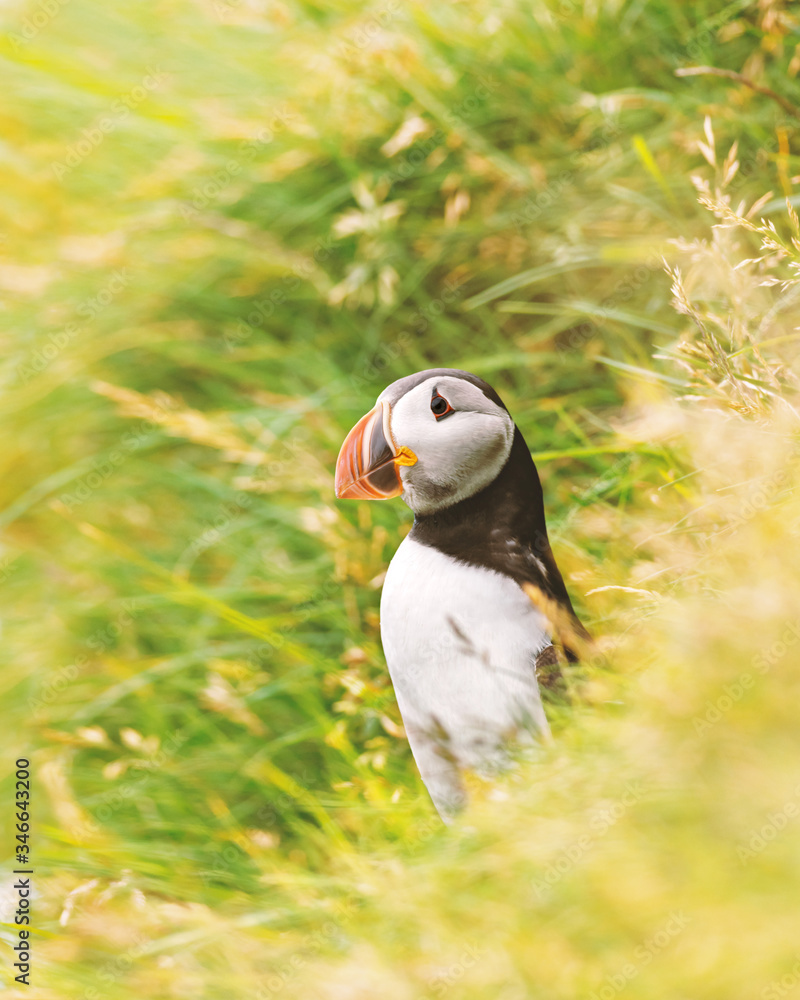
<point x="226" y="227"/>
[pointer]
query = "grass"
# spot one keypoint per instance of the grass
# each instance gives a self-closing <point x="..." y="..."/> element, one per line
<point x="227" y="226"/>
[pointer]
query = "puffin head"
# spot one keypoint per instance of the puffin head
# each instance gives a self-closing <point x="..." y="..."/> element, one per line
<point x="434" y="438"/>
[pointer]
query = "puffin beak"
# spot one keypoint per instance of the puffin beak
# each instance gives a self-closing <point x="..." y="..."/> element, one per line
<point x="368" y="466"/>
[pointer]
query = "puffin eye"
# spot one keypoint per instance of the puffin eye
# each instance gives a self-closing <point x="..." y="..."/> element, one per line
<point x="439" y="406"/>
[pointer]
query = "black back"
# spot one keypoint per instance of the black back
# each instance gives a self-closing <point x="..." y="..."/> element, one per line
<point x="502" y="527"/>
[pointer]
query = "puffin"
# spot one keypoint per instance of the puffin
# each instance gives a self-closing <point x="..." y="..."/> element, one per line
<point x="472" y="599"/>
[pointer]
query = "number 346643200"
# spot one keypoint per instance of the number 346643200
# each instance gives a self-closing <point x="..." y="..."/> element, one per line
<point x="23" y="799"/>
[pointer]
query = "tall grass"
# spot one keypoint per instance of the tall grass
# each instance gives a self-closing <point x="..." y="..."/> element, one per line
<point x="227" y="226"/>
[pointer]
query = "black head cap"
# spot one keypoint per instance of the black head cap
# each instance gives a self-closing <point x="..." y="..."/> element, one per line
<point x="399" y="388"/>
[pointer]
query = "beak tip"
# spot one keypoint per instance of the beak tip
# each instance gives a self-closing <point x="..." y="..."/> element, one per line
<point x="341" y="486"/>
<point x="346" y="491"/>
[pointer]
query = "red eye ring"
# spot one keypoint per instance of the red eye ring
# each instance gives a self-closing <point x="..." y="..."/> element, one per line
<point x="440" y="408"/>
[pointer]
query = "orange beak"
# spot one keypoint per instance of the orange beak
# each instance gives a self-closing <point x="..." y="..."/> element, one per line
<point x="368" y="466"/>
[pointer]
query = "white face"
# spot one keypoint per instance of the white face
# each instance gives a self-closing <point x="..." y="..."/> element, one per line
<point x="457" y="454"/>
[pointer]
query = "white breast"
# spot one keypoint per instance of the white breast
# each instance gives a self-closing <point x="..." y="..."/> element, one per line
<point x="460" y="643"/>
